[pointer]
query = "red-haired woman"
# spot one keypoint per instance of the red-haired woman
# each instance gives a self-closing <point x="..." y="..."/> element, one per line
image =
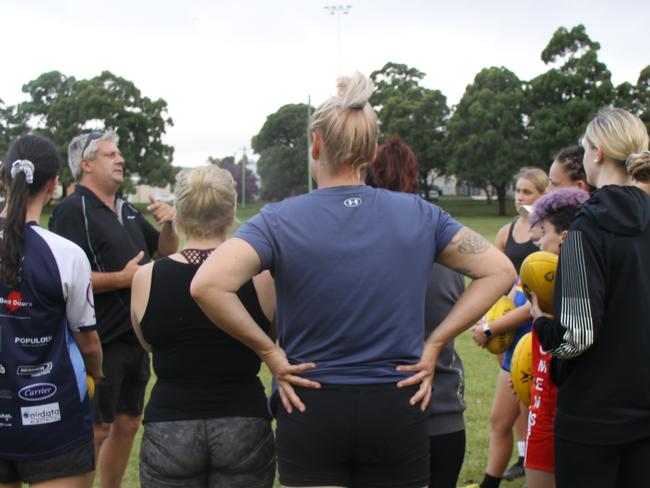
<point x="396" y="168"/>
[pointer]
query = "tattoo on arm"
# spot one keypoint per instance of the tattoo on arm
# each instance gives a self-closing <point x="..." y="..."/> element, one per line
<point x="469" y="242"/>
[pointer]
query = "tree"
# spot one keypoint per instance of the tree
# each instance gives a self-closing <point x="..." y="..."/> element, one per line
<point x="417" y="114"/>
<point x="487" y="134"/>
<point x="563" y="100"/>
<point x="636" y="98"/>
<point x="62" y="107"/>
<point x="228" y="163"/>
<point x="282" y="147"/>
<point x="11" y="126"/>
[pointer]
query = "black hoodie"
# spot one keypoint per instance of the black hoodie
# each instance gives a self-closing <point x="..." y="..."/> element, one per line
<point x="601" y="329"/>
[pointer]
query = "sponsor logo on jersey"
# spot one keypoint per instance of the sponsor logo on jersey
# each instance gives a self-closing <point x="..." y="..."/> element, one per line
<point x="14" y="301"/>
<point x="3" y="370"/>
<point x="41" y="414"/>
<point x="5" y="419"/>
<point x="33" y="341"/>
<point x="35" y="370"/>
<point x="352" y="202"/>
<point x="37" y="392"/>
<point x="6" y="395"/>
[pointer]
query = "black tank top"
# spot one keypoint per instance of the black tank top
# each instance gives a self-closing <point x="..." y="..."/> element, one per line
<point x="202" y="372"/>
<point x="518" y="252"/>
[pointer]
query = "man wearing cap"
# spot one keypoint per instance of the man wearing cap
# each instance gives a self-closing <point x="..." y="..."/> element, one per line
<point x="117" y="239"/>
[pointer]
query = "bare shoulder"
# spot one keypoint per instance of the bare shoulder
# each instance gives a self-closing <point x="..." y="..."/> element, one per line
<point x="140" y="289"/>
<point x="502" y="236"/>
<point x="143" y="275"/>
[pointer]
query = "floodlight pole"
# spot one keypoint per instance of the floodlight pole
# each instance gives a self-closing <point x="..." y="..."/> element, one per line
<point x="310" y="184"/>
<point x="243" y="177"/>
<point x="338" y="10"/>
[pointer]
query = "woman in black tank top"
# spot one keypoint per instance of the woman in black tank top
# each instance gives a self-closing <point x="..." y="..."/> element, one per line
<point x="207" y="388"/>
<point x="518" y="251"/>
<point x="514" y="240"/>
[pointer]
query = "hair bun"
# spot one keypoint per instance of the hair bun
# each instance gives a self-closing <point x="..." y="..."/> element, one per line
<point x="355" y="90"/>
<point x="638" y="166"/>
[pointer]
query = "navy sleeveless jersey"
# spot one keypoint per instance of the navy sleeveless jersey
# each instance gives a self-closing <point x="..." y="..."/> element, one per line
<point x="351" y="266"/>
<point x="44" y="405"/>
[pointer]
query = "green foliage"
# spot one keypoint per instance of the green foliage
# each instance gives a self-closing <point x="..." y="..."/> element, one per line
<point x="568" y="45"/>
<point x="636" y="98"/>
<point x="228" y="163"/>
<point x="392" y="79"/>
<point x="487" y="135"/>
<point x="563" y="100"/>
<point x="62" y="107"/>
<point x="501" y="124"/>
<point x="417" y="114"/>
<point x="282" y="146"/>
<point x="11" y="126"/>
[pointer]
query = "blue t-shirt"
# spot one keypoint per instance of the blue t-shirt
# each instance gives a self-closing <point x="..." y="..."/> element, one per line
<point x="351" y="266"/>
<point x="44" y="404"/>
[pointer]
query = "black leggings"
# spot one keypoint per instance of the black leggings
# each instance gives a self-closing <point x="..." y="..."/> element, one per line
<point x="619" y="466"/>
<point x="447" y="454"/>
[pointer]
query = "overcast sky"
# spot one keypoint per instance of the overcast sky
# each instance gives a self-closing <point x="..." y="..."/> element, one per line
<point x="223" y="67"/>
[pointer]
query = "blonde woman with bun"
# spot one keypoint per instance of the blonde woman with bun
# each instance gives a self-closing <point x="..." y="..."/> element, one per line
<point x="351" y="263"/>
<point x="206" y="423"/>
<point x="599" y="330"/>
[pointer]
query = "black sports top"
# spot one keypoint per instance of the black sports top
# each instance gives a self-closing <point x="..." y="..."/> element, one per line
<point x="202" y="372"/>
<point x="516" y="251"/>
<point x="109" y="239"/>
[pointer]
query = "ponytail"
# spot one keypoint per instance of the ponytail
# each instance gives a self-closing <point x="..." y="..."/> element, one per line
<point x="13" y="235"/>
<point x="31" y="163"/>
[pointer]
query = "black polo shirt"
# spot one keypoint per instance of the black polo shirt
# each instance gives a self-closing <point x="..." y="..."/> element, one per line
<point x="109" y="239"/>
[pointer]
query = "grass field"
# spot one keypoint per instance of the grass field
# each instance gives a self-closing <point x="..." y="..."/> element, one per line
<point x="480" y="367"/>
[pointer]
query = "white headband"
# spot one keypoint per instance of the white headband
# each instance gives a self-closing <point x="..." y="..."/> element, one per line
<point x="23" y="166"/>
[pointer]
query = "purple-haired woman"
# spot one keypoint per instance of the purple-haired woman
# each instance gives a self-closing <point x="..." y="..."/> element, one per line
<point x="552" y="214"/>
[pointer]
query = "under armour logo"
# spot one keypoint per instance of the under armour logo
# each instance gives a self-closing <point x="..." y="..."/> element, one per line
<point x="352" y="202"/>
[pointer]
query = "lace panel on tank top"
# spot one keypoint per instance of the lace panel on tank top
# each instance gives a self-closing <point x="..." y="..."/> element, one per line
<point x="196" y="256"/>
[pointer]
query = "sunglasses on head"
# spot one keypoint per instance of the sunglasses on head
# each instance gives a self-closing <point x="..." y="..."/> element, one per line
<point x="91" y="137"/>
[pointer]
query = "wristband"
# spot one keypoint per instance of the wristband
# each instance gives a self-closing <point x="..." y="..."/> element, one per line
<point x="486" y="330"/>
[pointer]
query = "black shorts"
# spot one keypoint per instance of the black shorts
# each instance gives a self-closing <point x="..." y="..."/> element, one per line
<point x="366" y="436"/>
<point x="78" y="460"/>
<point x="126" y="371"/>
